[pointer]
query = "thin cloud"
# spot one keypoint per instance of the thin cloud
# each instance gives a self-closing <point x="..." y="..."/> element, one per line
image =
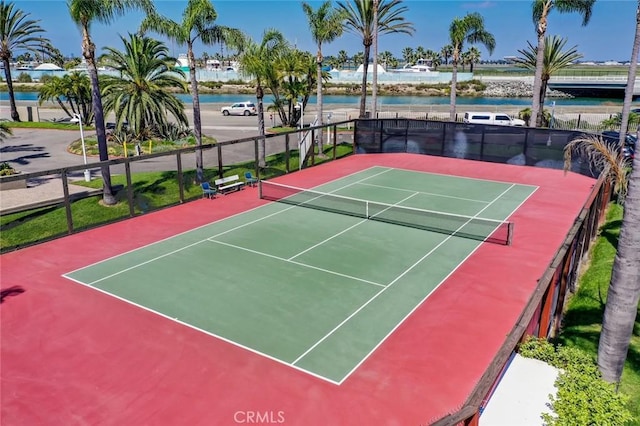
<point x="479" y="5"/>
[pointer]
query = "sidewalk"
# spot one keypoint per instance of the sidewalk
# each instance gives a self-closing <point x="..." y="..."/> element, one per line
<point x="39" y="192"/>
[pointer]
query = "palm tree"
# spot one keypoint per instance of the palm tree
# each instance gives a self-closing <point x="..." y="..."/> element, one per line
<point x="446" y="52"/>
<point x="84" y="13"/>
<point x="197" y="23"/>
<point x="343" y="57"/>
<point x="555" y="58"/>
<point x="541" y="10"/>
<point x="72" y="92"/>
<point x="325" y="24"/>
<point x="624" y="290"/>
<point x="257" y="60"/>
<point x="386" y="58"/>
<point x="473" y="57"/>
<point x="359" y="21"/>
<point x="407" y="55"/>
<point x="470" y="29"/>
<point x="140" y="93"/>
<point x="17" y="32"/>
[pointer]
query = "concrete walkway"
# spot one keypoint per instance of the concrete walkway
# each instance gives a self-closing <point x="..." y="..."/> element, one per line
<point x="39" y="191"/>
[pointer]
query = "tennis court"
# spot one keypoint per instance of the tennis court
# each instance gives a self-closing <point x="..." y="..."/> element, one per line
<point x="311" y="288"/>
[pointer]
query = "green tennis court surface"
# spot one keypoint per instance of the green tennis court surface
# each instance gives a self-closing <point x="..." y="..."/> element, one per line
<point x="312" y="289"/>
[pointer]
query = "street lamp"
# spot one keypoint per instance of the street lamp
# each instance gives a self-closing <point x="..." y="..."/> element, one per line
<point x="77" y="118"/>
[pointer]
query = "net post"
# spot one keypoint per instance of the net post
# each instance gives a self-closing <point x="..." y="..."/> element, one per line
<point x="510" y="233"/>
<point x="260" y="189"/>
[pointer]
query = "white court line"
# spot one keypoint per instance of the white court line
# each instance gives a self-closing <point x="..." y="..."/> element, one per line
<point x="186" y="324"/>
<point x="65" y="275"/>
<point x="197" y="242"/>
<point x="426" y="193"/>
<point x="375" y="296"/>
<point x="351" y="227"/>
<point x="296" y="263"/>
<point x="461" y="177"/>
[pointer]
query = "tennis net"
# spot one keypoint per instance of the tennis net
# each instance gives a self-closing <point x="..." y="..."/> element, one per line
<point x="494" y="231"/>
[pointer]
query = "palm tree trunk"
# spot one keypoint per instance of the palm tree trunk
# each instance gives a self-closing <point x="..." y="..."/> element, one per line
<point x="624" y="290"/>
<point x="197" y="123"/>
<point x="363" y="94"/>
<point x="12" y="97"/>
<point x="454" y="82"/>
<point x="262" y="160"/>
<point x="88" y="52"/>
<point x="536" y="109"/>
<point x="319" y="96"/>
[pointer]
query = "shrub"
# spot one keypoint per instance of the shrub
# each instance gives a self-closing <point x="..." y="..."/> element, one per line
<point x="7" y="170"/>
<point x="583" y="398"/>
<point x="24" y="78"/>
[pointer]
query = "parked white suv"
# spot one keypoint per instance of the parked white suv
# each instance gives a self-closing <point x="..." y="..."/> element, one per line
<point x="498" y="118"/>
<point x="239" y="108"/>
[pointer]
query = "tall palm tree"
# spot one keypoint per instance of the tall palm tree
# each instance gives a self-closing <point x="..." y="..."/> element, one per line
<point x="359" y="21"/>
<point x="468" y="29"/>
<point x="197" y="23"/>
<point x="624" y="290"/>
<point x="408" y="54"/>
<point x="140" y="93"/>
<point x="446" y="52"/>
<point x="541" y="10"/>
<point x="343" y="57"/>
<point x="325" y="24"/>
<point x="84" y="13"/>
<point x="257" y="60"/>
<point x="473" y="57"/>
<point x="555" y="58"/>
<point x="72" y="92"/>
<point x="17" y="32"/>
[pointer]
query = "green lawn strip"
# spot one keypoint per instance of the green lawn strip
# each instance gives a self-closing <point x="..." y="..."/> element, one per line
<point x="152" y="191"/>
<point x="583" y="319"/>
<point x="44" y="125"/>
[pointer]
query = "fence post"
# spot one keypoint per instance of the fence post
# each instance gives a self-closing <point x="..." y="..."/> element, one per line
<point x="578" y="123"/>
<point x="67" y="201"/>
<point x="287" y="154"/>
<point x="127" y="172"/>
<point x="180" y="180"/>
<point x="220" y="171"/>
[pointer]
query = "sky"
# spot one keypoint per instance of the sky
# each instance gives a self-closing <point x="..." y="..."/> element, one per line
<point x="608" y="35"/>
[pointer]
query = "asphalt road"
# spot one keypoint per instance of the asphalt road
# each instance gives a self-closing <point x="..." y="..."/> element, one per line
<point x="31" y="150"/>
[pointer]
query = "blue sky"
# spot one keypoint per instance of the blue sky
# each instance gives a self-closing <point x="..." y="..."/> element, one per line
<point x="608" y="36"/>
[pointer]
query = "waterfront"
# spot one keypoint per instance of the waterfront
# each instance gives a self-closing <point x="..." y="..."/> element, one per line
<point x="383" y="101"/>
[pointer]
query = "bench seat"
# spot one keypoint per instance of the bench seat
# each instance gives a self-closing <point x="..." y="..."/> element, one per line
<point x="229" y="183"/>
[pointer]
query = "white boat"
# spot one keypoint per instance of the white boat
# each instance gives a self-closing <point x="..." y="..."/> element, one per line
<point x="413" y="68"/>
<point x="182" y="62"/>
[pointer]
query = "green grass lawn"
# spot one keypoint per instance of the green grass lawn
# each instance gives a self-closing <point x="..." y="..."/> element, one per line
<point x="583" y="318"/>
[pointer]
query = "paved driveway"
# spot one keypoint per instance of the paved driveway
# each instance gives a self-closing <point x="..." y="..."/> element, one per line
<point x="31" y="150"/>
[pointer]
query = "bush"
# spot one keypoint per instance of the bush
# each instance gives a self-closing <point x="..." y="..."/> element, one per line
<point x="46" y="78"/>
<point x="24" y="78"/>
<point x="583" y="398"/>
<point x="7" y="170"/>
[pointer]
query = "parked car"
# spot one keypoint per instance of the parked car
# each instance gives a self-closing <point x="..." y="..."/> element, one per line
<point x="239" y="108"/>
<point x="498" y="118"/>
<point x="629" y="147"/>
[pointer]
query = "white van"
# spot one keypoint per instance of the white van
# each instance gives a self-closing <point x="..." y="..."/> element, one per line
<point x="498" y="118"/>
